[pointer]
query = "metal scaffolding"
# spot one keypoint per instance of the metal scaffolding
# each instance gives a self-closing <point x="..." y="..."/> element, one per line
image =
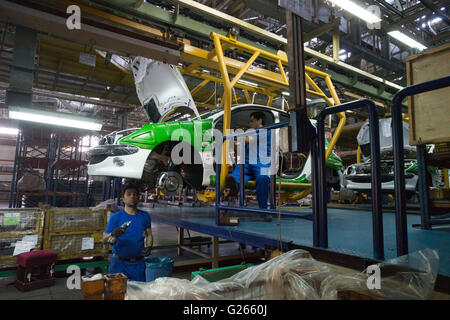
<point x="49" y="168"/>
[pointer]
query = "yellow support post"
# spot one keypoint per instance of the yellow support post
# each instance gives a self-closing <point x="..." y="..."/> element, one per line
<point x="318" y="90"/>
<point x="283" y="74"/>
<point x="247" y="97"/>
<point x="245" y="68"/>
<point x="201" y="85"/>
<point x="192" y="67"/>
<point x="226" y="107"/>
<point x="341" y="115"/>
<point x="235" y="97"/>
<point x="446" y="183"/>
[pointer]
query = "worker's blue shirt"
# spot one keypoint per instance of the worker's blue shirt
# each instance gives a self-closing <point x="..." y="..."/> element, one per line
<point x="257" y="152"/>
<point x="131" y="243"/>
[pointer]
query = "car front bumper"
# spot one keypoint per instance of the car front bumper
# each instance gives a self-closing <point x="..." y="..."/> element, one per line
<point x="124" y="166"/>
<point x="410" y="183"/>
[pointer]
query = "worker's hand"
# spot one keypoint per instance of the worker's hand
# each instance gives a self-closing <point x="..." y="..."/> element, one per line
<point x="147" y="251"/>
<point x="117" y="232"/>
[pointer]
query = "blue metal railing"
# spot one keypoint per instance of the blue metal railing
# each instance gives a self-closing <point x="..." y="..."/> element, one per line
<point x="399" y="162"/>
<point x="241" y="207"/>
<point x="320" y="216"/>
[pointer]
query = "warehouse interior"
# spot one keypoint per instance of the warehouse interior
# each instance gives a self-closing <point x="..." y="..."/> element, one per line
<point x="97" y="96"/>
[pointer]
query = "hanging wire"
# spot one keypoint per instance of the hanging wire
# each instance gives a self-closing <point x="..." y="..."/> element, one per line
<point x="212" y="95"/>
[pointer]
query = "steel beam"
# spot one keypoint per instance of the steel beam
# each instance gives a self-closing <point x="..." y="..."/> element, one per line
<point x="430" y="5"/>
<point x="189" y="25"/>
<point x="67" y="96"/>
<point x="322" y="29"/>
<point x="22" y="68"/>
<point x="44" y="19"/>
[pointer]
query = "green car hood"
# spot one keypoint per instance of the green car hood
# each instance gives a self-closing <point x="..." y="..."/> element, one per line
<point x="151" y="135"/>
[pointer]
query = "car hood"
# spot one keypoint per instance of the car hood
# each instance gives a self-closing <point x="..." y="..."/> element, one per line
<point x="161" y="89"/>
<point x="386" y="148"/>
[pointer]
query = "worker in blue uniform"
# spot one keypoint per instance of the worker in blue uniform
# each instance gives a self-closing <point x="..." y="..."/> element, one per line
<point x="257" y="161"/>
<point x="129" y="230"/>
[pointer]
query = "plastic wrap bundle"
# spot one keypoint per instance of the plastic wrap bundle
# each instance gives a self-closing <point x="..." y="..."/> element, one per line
<point x="31" y="182"/>
<point x="406" y="277"/>
<point x="111" y="203"/>
<point x="293" y="275"/>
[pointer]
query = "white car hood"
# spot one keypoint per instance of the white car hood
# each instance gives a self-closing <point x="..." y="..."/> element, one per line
<point x="385" y="129"/>
<point x="161" y="89"/>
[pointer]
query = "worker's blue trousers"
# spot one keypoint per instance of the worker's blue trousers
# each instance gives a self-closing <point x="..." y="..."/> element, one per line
<point x="262" y="181"/>
<point x="133" y="270"/>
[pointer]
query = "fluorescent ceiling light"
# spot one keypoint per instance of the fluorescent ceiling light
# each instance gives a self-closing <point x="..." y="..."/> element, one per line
<point x="248" y="83"/>
<point x="357" y="10"/>
<point x="54" y="118"/>
<point x="406" y="40"/>
<point x="285" y="93"/>
<point x="11" y="131"/>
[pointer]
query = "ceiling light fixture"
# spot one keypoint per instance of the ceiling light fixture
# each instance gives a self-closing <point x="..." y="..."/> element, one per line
<point x="248" y="83"/>
<point x="358" y="11"/>
<point x="406" y="40"/>
<point x="54" y="118"/>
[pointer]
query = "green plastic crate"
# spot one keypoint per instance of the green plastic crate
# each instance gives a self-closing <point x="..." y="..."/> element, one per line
<point x="213" y="275"/>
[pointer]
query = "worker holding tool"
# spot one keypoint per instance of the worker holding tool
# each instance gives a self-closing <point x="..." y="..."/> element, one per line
<point x="254" y="167"/>
<point x="129" y="230"/>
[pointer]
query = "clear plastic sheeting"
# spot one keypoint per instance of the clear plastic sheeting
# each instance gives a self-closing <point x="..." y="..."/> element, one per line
<point x="408" y="277"/>
<point x="110" y="203"/>
<point x="31" y="183"/>
<point x="295" y="275"/>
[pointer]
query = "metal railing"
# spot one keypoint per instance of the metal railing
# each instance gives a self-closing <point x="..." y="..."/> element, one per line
<point x="320" y="215"/>
<point x="241" y="207"/>
<point x="399" y="162"/>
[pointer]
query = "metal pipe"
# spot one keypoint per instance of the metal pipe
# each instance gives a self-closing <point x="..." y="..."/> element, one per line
<point x="241" y="186"/>
<point x="217" y="209"/>
<point x="272" y="192"/>
<point x="399" y="161"/>
<point x="241" y="171"/>
<point x="315" y="190"/>
<point x="423" y="187"/>
<point x="358" y="155"/>
<point x="12" y="192"/>
<point x="271" y="212"/>
<point x="55" y="182"/>
<point x="256" y="130"/>
<point x="377" y="218"/>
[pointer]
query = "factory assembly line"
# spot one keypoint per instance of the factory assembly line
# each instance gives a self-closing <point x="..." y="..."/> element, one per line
<point x="306" y="139"/>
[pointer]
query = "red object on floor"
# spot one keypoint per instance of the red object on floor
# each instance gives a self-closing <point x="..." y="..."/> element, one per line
<point x="44" y="261"/>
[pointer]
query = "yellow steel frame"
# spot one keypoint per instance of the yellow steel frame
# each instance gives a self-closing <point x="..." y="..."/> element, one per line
<point x="268" y="82"/>
<point x="446" y="180"/>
